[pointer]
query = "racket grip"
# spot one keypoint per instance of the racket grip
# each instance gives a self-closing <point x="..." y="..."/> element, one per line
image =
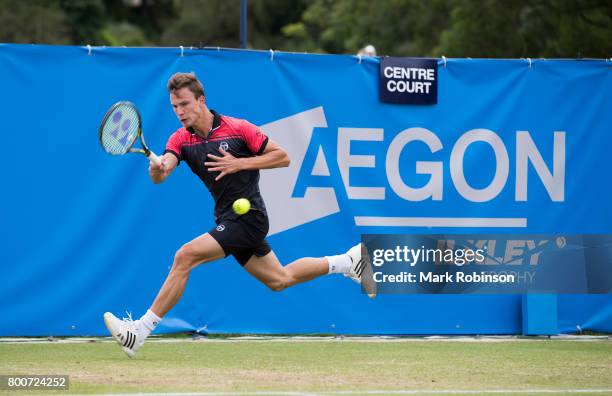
<point x="154" y="159"/>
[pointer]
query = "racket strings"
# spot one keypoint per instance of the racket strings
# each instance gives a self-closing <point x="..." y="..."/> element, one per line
<point x="120" y="130"/>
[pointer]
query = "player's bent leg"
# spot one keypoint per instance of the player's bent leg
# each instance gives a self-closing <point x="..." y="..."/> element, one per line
<point x="270" y="272"/>
<point x="201" y="250"/>
<point x="352" y="264"/>
<point x="131" y="334"/>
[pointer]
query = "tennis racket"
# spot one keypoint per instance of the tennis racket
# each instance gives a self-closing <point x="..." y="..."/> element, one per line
<point x="119" y="130"/>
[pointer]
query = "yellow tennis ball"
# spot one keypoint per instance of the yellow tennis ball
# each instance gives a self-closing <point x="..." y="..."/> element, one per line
<point x="241" y="206"/>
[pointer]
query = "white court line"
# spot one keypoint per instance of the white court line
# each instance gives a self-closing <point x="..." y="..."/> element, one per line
<point x="374" y="221"/>
<point x="379" y="392"/>
<point x="299" y="339"/>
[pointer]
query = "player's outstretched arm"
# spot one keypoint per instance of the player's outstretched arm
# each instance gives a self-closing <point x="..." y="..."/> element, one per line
<point x="159" y="173"/>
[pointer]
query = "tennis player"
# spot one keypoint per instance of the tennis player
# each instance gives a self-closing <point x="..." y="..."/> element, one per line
<point x="226" y="154"/>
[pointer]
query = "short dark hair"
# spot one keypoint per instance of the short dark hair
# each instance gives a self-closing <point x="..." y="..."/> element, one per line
<point x="186" y="80"/>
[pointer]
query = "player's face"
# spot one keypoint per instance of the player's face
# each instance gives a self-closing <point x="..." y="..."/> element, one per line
<point x="187" y="108"/>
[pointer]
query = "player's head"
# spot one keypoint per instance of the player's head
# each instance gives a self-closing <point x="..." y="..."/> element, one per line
<point x="187" y="98"/>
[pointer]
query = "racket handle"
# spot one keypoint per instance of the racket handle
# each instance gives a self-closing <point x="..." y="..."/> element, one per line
<point x="155" y="160"/>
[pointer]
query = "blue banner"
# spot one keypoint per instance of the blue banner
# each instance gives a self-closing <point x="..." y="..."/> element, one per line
<point x="512" y="146"/>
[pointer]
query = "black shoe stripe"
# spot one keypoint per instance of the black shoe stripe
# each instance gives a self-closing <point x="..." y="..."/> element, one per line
<point x="360" y="267"/>
<point x="132" y="341"/>
<point x="127" y="339"/>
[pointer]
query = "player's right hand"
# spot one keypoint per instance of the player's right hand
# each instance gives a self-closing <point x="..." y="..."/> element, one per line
<point x="159" y="173"/>
<point x="155" y="171"/>
<point x="157" y="168"/>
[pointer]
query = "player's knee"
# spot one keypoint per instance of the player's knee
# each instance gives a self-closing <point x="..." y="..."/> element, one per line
<point x="281" y="283"/>
<point x="277" y="286"/>
<point x="185" y="258"/>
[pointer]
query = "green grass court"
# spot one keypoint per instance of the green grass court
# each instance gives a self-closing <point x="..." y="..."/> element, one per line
<point x="315" y="366"/>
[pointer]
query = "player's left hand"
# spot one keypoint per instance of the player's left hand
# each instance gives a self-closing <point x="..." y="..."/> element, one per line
<point x="226" y="165"/>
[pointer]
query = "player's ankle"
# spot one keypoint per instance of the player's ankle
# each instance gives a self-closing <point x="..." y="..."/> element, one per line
<point x="339" y="264"/>
<point x="148" y="322"/>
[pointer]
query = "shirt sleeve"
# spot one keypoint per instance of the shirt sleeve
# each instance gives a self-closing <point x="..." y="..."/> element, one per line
<point x="254" y="138"/>
<point x="174" y="145"/>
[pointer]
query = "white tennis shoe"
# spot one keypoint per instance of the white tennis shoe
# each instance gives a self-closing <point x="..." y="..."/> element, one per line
<point x="358" y="263"/>
<point x="126" y="332"/>
<point x="360" y="266"/>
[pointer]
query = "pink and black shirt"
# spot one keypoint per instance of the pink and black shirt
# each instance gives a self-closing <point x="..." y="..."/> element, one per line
<point x="236" y="136"/>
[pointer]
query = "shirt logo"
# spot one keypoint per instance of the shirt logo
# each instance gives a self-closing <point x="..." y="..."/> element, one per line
<point x="224" y="146"/>
<point x="220" y="227"/>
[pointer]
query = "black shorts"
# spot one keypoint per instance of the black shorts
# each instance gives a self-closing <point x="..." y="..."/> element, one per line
<point x="244" y="236"/>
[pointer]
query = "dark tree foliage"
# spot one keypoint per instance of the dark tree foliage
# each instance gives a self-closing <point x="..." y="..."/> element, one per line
<point x="455" y="28"/>
<point x="86" y="18"/>
<point x="39" y="21"/>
